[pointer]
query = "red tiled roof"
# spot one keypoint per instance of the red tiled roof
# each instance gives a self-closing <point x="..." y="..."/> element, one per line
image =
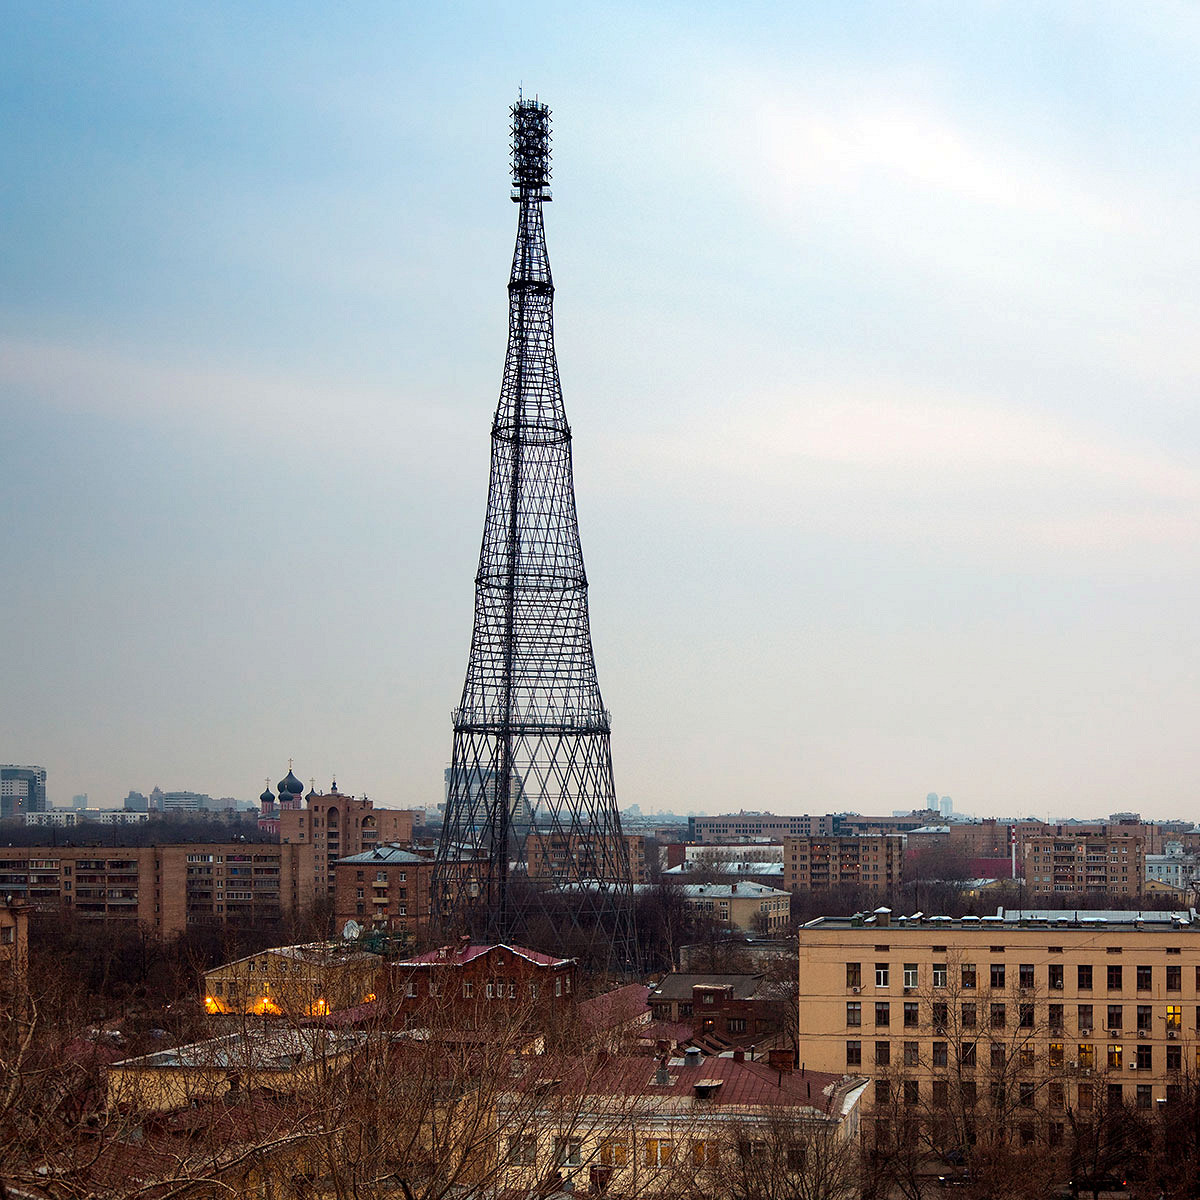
<point x="742" y="1083"/>
<point x="621" y="1006"/>
<point x="457" y="956"/>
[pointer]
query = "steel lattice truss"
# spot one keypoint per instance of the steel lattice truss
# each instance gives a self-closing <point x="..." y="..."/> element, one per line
<point x="531" y="845"/>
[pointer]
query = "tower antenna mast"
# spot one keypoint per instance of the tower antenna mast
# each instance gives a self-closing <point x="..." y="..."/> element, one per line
<point x="531" y="843"/>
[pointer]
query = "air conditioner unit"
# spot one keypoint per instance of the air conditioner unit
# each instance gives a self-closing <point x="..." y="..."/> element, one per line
<point x="1143" y="1033"/>
<point x="1112" y="1033"/>
<point x="856" y="990"/>
<point x="1085" y="1033"/>
<point x="1073" y="1065"/>
<point x="1172" y="1033"/>
<point x="1133" y="1066"/>
<point x="1058" y="987"/>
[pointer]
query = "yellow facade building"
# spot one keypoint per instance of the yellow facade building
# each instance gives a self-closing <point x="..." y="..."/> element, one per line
<point x="1020" y="1016"/>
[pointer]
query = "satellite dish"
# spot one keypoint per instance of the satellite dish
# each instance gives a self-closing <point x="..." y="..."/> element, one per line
<point x="351" y="930"/>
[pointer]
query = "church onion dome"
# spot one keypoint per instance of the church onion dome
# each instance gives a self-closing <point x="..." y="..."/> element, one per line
<point x="268" y="797"/>
<point x="312" y="794"/>
<point x="290" y="785"/>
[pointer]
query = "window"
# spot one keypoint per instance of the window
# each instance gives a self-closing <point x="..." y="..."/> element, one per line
<point x="1054" y="1016"/>
<point x="1175" y="1058"/>
<point x="910" y="975"/>
<point x="1145" y="978"/>
<point x="1084" y="978"/>
<point x="941" y="1093"/>
<point x="1175" y="1017"/>
<point x="996" y="1093"/>
<point x="881" y="974"/>
<point x="1114" y="978"/>
<point x="614" y="1152"/>
<point x="997" y="975"/>
<point x="1115" y="1095"/>
<point x="1056" y="977"/>
<point x="1025" y="975"/>
<point x="1056" y="1056"/>
<point x="853" y="975"/>
<point x="1145" y="1015"/>
<point x="1087" y="1055"/>
<point x="1175" y="978"/>
<point x="967" y="1094"/>
<point x="968" y="975"/>
<point x="912" y="1054"/>
<point x="939" y="975"/>
<point x="966" y="1057"/>
<point x="883" y="1054"/>
<point x="558" y="987"/>
<point x="997" y="1017"/>
<point x="567" y="1151"/>
<point x="998" y="1056"/>
<point x="912" y="1014"/>
<point x="882" y="1092"/>
<point x="1115" y="1016"/>
<point x="736" y="1024"/>
<point x="1115" y="1056"/>
<point x="1025" y="1094"/>
<point x="1025" y="1016"/>
<point x="1085" y="1017"/>
<point x="468" y="988"/>
<point x="658" y="1151"/>
<point x="941" y="1056"/>
<point x="941" y="1015"/>
<point x="853" y="1013"/>
<point x="968" y="1014"/>
<point x="912" y="1091"/>
<point x="522" y="1149"/>
<point x="1143" y="1095"/>
<point x="1145" y="1057"/>
<point x="1056" y="1094"/>
<point x="882" y="1013"/>
<point x="854" y="1054"/>
<point x="488" y="989"/>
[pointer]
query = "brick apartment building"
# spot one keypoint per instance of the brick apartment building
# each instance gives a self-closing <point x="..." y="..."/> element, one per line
<point x="384" y="888"/>
<point x="577" y="855"/>
<point x="477" y="984"/>
<point x="820" y="863"/>
<point x="334" y="826"/>
<point x="167" y="889"/>
<point x="723" y="1010"/>
<point x="1027" y="1013"/>
<point x="772" y="827"/>
<point x="1071" y="863"/>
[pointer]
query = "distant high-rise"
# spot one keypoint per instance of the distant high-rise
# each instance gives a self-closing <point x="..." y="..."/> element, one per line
<point x="22" y="790"/>
<point x="531" y="734"/>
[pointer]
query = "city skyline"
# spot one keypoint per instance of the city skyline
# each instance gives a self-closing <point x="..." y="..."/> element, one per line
<point x="872" y="323"/>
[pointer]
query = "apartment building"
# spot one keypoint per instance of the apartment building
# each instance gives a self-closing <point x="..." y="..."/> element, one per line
<point x="334" y="826"/>
<point x="755" y="826"/>
<point x="1071" y="863"/>
<point x="570" y="856"/>
<point x="820" y="863"/>
<point x="1022" y="1015"/>
<point x="294" y="981"/>
<point x="385" y="888"/>
<point x="167" y="889"/>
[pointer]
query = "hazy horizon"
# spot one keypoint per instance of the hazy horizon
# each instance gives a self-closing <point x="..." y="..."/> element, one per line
<point x="872" y="325"/>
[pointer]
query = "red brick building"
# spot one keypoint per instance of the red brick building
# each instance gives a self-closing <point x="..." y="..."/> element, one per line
<point x="384" y="888"/>
<point x="473" y="984"/>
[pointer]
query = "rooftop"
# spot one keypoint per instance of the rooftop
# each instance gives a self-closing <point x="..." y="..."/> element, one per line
<point x="1020" y="918"/>
<point x="255" y="1050"/>
<point x="457" y="956"/>
<point x="391" y="853"/>
<point x="678" y="985"/>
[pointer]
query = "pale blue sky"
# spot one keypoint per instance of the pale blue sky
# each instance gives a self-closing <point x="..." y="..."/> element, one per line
<point x="877" y="329"/>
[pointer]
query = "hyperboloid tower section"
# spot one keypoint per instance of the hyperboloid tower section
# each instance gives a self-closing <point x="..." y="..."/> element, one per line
<point x="531" y="846"/>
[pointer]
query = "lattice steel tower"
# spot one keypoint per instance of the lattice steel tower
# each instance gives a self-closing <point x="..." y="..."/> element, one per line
<point x="531" y="846"/>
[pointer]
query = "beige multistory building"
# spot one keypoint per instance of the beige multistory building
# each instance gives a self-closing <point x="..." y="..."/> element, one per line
<point x="1026" y="1014"/>
<point x="573" y="856"/>
<point x="1068" y="863"/>
<point x="166" y="889"/>
<point x="813" y="864"/>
